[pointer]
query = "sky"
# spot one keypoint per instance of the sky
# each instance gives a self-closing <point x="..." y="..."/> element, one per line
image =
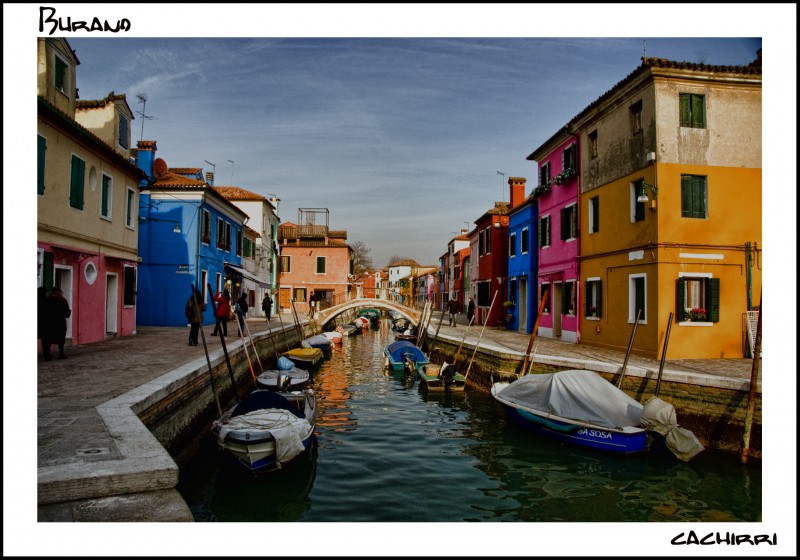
<point x="404" y="120"/>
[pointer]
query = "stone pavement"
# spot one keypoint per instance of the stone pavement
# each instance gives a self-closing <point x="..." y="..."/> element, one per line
<point x="73" y="437"/>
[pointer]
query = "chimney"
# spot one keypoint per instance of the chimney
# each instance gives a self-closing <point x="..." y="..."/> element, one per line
<point x="146" y="156"/>
<point x="517" y="185"/>
<point x="210" y="178"/>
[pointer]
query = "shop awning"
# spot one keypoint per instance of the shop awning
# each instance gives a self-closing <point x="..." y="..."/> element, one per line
<point x="242" y="272"/>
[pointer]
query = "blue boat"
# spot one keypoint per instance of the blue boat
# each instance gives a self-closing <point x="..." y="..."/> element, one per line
<point x="578" y="407"/>
<point x="403" y="354"/>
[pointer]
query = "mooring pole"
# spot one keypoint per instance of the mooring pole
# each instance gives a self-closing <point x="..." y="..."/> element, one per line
<point x="751" y="395"/>
<point x="545" y="295"/>
<point x="628" y="352"/>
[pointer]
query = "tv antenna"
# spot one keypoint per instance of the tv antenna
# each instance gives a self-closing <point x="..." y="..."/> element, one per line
<point x="143" y="100"/>
<point x="213" y="166"/>
<point x="231" y="183"/>
<point x="502" y="183"/>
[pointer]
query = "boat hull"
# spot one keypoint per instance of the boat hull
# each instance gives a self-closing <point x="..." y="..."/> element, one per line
<point x="430" y="379"/>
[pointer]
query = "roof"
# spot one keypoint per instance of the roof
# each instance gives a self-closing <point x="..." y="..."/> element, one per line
<point x="405" y="262"/>
<point x="238" y="193"/>
<point x="111" y="98"/>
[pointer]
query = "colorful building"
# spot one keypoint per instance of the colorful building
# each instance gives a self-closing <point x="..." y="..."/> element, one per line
<point x="490" y="264"/>
<point x="522" y="258"/>
<point x="671" y="209"/>
<point x="87" y="189"/>
<point x="557" y="234"/>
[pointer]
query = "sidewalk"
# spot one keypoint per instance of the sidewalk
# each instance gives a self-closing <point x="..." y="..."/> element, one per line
<point x="73" y="437"/>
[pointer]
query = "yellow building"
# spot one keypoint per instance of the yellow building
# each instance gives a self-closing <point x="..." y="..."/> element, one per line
<point x="670" y="210"/>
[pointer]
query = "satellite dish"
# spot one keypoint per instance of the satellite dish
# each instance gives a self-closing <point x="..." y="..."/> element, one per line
<point x="160" y="167"/>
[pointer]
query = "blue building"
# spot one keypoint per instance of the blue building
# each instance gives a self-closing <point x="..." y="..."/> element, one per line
<point x="522" y="260"/>
<point x="189" y="234"/>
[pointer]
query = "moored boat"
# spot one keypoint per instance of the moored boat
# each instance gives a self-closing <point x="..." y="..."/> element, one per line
<point x="267" y="428"/>
<point x="283" y="380"/>
<point x="318" y="341"/>
<point x="304" y="358"/>
<point x="403" y="354"/>
<point x="333" y="336"/>
<point x="444" y="377"/>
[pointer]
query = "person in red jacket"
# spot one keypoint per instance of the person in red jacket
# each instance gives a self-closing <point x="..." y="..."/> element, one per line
<point x="223" y="300"/>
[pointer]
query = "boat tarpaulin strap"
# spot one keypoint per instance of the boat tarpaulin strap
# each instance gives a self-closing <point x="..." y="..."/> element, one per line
<point x="245" y="274"/>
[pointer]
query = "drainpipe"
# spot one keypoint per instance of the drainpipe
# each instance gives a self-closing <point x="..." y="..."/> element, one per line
<point x="748" y="258"/>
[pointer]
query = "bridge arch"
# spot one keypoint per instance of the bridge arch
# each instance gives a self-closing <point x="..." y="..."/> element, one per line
<point x="327" y="315"/>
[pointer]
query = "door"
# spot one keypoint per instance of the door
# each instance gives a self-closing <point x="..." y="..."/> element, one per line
<point x="286" y="297"/>
<point x="556" y="309"/>
<point x="112" y="303"/>
<point x="63" y="280"/>
<point x="522" y="305"/>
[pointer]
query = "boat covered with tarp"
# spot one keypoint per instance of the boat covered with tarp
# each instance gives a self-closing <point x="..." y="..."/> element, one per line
<point x="404" y="354"/>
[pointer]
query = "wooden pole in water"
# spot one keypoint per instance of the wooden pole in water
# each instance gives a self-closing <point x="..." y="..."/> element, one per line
<point x="205" y="348"/>
<point x="663" y="354"/>
<point x="481" y="335"/>
<point x="283" y="330"/>
<point x="224" y="349"/>
<point x="253" y="345"/>
<point x="246" y="352"/>
<point x="545" y="294"/>
<point x="751" y="395"/>
<point x="455" y="359"/>
<point x="628" y="352"/>
<point x="436" y="336"/>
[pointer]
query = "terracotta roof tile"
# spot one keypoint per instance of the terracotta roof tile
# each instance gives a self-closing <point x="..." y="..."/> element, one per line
<point x="238" y="193"/>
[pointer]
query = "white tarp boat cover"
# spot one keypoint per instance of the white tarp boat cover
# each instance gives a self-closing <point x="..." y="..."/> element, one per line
<point x="575" y="394"/>
<point x="287" y="429"/>
<point x="659" y="416"/>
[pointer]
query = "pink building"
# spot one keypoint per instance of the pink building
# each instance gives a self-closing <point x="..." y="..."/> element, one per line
<point x="558" y="237"/>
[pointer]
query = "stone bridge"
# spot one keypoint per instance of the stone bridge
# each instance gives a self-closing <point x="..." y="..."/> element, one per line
<point x="326" y="315"/>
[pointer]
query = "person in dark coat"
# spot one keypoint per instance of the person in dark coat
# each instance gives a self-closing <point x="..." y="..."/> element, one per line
<point x="266" y="306"/>
<point x="41" y="312"/>
<point x="452" y="308"/>
<point x="55" y="328"/>
<point x="470" y="310"/>
<point x="241" y="311"/>
<point x="194" y="314"/>
<point x="223" y="300"/>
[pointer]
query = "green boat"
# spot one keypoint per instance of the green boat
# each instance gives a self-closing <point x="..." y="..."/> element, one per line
<point x="435" y="377"/>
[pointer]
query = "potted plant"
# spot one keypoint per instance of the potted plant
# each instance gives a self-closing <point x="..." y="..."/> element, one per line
<point x="696" y="314"/>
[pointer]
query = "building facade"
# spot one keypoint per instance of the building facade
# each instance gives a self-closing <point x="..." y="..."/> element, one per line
<point x="522" y="261"/>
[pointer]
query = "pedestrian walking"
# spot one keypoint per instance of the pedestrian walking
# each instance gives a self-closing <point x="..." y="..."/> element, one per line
<point x="41" y="313"/>
<point x="223" y="300"/>
<point x="452" y="308"/>
<point x="57" y="312"/>
<point x="194" y="314"/>
<point x="470" y="310"/>
<point x="266" y="305"/>
<point x="241" y="311"/>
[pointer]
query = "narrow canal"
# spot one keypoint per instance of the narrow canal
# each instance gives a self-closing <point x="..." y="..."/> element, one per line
<point x="385" y="451"/>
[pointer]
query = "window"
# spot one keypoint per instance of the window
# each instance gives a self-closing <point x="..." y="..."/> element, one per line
<point x="61" y="74"/>
<point x="299" y="294"/>
<point x="512" y="245"/>
<point x="569" y="222"/>
<point x="637" y="300"/>
<point x="238" y="242"/>
<point x="129" y="207"/>
<point x="40" y="160"/>
<point x="544" y="231"/>
<point x="76" y="182"/>
<point x="321" y="265"/>
<point x="594" y="297"/>
<point x="569" y="298"/>
<point x="568" y="158"/>
<point x="105" y="197"/>
<point x="693" y="110"/>
<point x="227" y="236"/>
<point x="204" y="284"/>
<point x="694" y="196"/>
<point x="286" y="263"/>
<point x="544" y="175"/>
<point x="697" y="299"/>
<point x="544" y="293"/>
<point x="524" y="241"/>
<point x="593" y="144"/>
<point x="124" y="131"/>
<point x="594" y="214"/>
<point x="637" y="208"/>
<point x="205" y="227"/>
<point x="636" y="117"/>
<point x="129" y="288"/>
<point x="488" y="240"/>
<point x="249" y="248"/>
<point x="480" y="243"/>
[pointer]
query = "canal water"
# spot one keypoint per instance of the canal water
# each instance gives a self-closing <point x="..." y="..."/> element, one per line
<point x="387" y="451"/>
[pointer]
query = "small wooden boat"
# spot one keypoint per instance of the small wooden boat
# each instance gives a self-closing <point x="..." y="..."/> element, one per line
<point x="435" y="377"/>
<point x="361" y="323"/>
<point x="268" y="428"/>
<point x="348" y="330"/>
<point x="283" y="380"/>
<point x="403" y="354"/>
<point x="304" y="358"/>
<point x="373" y="315"/>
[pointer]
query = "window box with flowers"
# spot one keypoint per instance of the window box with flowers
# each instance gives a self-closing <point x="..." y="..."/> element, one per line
<point x="695" y="314"/>
<point x="564" y="175"/>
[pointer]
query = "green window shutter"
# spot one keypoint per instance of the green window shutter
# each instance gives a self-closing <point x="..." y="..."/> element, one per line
<point x="685" y="110"/>
<point x="42" y="149"/>
<point x="47" y="271"/>
<point x="698" y="111"/>
<point x="712" y="290"/>
<point x="76" y="183"/>
<point x="598" y="298"/>
<point x="564" y="224"/>
<point x="680" y="300"/>
<point x="539" y="228"/>
<point x="687" y="210"/>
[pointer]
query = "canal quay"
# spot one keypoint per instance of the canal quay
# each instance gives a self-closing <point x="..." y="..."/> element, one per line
<point x="97" y="462"/>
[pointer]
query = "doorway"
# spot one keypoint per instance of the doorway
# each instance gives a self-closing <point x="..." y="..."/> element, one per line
<point x="522" y="305"/>
<point x="63" y="279"/>
<point x="112" y="303"/>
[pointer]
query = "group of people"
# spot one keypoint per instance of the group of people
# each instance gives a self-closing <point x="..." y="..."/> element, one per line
<point x="452" y="308"/>
<point x="195" y="307"/>
<point x="52" y="314"/>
